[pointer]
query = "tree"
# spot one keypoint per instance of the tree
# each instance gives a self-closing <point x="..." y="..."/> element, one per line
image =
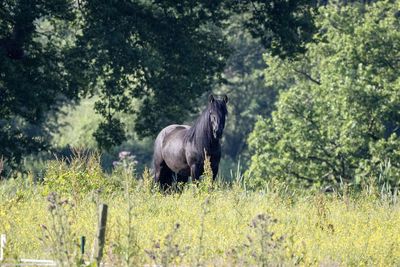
<point x="284" y="27"/>
<point x="337" y="117"/>
<point x="165" y="53"/>
<point x="245" y="85"/>
<point x="34" y="75"/>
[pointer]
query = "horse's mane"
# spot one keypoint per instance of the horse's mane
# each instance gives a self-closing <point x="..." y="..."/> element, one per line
<point x="200" y="134"/>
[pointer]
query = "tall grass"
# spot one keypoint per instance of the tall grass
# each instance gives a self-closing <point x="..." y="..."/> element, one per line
<point x="223" y="225"/>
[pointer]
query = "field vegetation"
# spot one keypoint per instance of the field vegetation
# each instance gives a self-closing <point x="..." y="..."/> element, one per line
<point x="205" y="224"/>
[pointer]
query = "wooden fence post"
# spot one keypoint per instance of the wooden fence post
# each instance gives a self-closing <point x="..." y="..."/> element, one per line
<point x="3" y="241"/>
<point x="100" y="235"/>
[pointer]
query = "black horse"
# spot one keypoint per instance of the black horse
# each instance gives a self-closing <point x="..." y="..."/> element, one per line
<point x="179" y="150"/>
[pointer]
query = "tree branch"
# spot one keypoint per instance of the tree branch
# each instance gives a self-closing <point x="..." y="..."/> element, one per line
<point x="309" y="180"/>
<point x="308" y="76"/>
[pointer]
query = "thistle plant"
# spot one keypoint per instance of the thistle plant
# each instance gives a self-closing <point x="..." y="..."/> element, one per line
<point x="58" y="236"/>
<point x="205" y="211"/>
<point x="263" y="245"/>
<point x="207" y="181"/>
<point x="127" y="163"/>
<point x="128" y="247"/>
<point x="169" y="252"/>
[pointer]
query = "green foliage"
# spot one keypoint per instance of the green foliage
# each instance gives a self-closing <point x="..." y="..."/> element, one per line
<point x="80" y="175"/>
<point x="165" y="53"/>
<point x="337" y="117"/>
<point x="284" y="27"/>
<point x="207" y="182"/>
<point x="151" y="60"/>
<point x="110" y="133"/>
<point x="249" y="96"/>
<point x="35" y="40"/>
<point x="77" y="125"/>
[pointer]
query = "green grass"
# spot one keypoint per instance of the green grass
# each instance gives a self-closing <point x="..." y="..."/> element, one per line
<point x="219" y="226"/>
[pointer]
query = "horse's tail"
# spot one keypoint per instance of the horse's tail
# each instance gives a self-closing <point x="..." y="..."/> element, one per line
<point x="157" y="155"/>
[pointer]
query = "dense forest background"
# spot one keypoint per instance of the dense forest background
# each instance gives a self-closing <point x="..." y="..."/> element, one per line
<point x="313" y="85"/>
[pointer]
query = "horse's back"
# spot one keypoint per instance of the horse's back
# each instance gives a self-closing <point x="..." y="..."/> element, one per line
<point x="169" y="147"/>
<point x="164" y="135"/>
<point x="167" y="131"/>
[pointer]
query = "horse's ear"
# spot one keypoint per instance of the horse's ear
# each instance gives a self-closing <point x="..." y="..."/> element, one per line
<point x="211" y="98"/>
<point x="225" y="98"/>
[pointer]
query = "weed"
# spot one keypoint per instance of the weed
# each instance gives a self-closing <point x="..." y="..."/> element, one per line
<point x="169" y="252"/>
<point x="263" y="246"/>
<point x="204" y="211"/>
<point x="128" y="246"/>
<point x="206" y="184"/>
<point x="58" y="236"/>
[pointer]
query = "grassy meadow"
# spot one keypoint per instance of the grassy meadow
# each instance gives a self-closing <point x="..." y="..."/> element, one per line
<point x="201" y="224"/>
<point x="314" y="119"/>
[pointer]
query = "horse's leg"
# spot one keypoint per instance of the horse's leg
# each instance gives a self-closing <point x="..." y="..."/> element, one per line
<point x="215" y="164"/>
<point x="157" y="172"/>
<point x="157" y="164"/>
<point x="182" y="178"/>
<point x="214" y="169"/>
<point x="195" y="171"/>
<point x="157" y="158"/>
<point x="162" y="174"/>
<point x="166" y="178"/>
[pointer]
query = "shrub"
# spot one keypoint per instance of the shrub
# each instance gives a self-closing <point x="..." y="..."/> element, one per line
<point x="76" y="176"/>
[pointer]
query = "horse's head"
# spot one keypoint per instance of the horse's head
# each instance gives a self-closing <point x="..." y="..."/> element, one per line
<point x="218" y="111"/>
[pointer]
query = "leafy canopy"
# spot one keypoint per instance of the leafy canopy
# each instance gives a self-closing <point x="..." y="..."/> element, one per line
<point x="34" y="71"/>
<point x="245" y="85"/>
<point x="152" y="59"/>
<point x="165" y="53"/>
<point x="338" y="115"/>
